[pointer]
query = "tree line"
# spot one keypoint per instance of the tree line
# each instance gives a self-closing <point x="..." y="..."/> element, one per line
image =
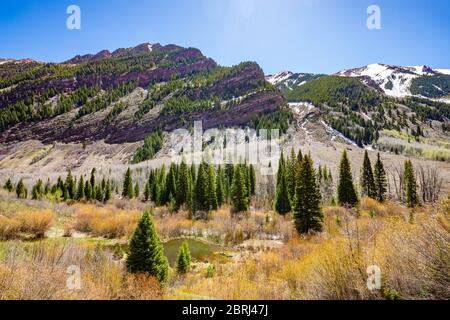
<point x="301" y="189"/>
<point x="200" y="189"/>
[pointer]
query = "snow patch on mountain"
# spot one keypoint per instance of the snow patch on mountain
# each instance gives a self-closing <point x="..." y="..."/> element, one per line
<point x="393" y="80"/>
<point x="336" y="134"/>
<point x="443" y="71"/>
<point x="279" y="77"/>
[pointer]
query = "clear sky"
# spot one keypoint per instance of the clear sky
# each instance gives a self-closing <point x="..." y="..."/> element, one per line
<point x="319" y="36"/>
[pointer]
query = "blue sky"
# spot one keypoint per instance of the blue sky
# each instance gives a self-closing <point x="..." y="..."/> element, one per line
<point x="320" y="36"/>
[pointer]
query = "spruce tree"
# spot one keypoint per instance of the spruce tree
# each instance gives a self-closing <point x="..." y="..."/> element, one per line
<point x="170" y="189"/>
<point x="70" y="186"/>
<point x="282" y="201"/>
<point x="88" y="190"/>
<point x="367" y="179"/>
<point x="92" y="180"/>
<point x="99" y="193"/>
<point x="147" y="191"/>
<point x="107" y="191"/>
<point x="346" y="189"/>
<point x="220" y="187"/>
<point x="183" y="259"/>
<point x="281" y="168"/>
<point x="289" y="172"/>
<point x="21" y="190"/>
<point x="380" y="180"/>
<point x="80" y="192"/>
<point x="307" y="212"/>
<point x="8" y="185"/>
<point x="66" y="195"/>
<point x="146" y="253"/>
<point x="202" y="202"/>
<point x="410" y="185"/>
<point x="212" y="188"/>
<point x="239" y="191"/>
<point x="183" y="185"/>
<point x="136" y="190"/>
<point x="127" y="190"/>
<point x="37" y="190"/>
<point x="252" y="180"/>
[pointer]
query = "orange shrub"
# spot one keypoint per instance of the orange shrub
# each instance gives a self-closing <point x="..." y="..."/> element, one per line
<point x="9" y="228"/>
<point x="33" y="222"/>
<point x="108" y="222"/>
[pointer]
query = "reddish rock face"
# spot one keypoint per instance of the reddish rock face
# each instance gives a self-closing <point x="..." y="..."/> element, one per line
<point x="239" y="82"/>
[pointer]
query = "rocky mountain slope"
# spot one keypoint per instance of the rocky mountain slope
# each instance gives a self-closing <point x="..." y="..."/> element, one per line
<point x="124" y="95"/>
<point x="397" y="81"/>
<point x="99" y="108"/>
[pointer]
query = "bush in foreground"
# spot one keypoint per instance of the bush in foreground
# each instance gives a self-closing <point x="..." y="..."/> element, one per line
<point x="146" y="251"/>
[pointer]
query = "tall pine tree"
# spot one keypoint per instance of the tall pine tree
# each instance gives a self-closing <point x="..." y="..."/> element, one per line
<point x="346" y="189"/>
<point x="146" y="253"/>
<point x="80" y="192"/>
<point x="380" y="180"/>
<point x="282" y="203"/>
<point x="182" y="185"/>
<point x="212" y="188"/>
<point x="367" y="179"/>
<point x="307" y="213"/>
<point x="128" y="190"/>
<point x="202" y="202"/>
<point x="410" y="185"/>
<point x="239" y="190"/>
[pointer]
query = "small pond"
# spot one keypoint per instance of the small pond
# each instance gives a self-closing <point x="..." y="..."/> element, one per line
<point x="200" y="251"/>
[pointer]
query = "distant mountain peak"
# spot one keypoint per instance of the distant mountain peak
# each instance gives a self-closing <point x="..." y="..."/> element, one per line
<point x="392" y="80"/>
<point x="138" y="50"/>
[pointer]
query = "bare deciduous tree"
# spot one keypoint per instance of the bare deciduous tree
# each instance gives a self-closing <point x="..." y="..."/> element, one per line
<point x="430" y="183"/>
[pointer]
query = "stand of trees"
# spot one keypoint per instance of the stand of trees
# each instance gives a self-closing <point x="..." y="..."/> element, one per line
<point x="201" y="188"/>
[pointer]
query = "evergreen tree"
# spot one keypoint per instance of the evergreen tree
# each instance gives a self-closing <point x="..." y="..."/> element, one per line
<point x="184" y="258"/>
<point x="202" y="202"/>
<point x="37" y="190"/>
<point x="107" y="191"/>
<point x="146" y="253"/>
<point x="88" y="190"/>
<point x="21" y="190"/>
<point x="212" y="188"/>
<point x="70" y="186"/>
<point x="282" y="201"/>
<point x="239" y="191"/>
<point x="193" y="173"/>
<point x="147" y="191"/>
<point x="220" y="187"/>
<point x="307" y="213"/>
<point x="367" y="179"/>
<point x="289" y="173"/>
<point x="281" y="168"/>
<point x="128" y="191"/>
<point x="66" y="195"/>
<point x="299" y="155"/>
<point x="136" y="190"/>
<point x="346" y="189"/>
<point x="170" y="189"/>
<point x="252" y="180"/>
<point x="410" y="185"/>
<point x="8" y="185"/>
<point x="183" y="185"/>
<point x="47" y="188"/>
<point x="380" y="180"/>
<point x="80" y="192"/>
<point x="99" y="193"/>
<point x="92" y="180"/>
